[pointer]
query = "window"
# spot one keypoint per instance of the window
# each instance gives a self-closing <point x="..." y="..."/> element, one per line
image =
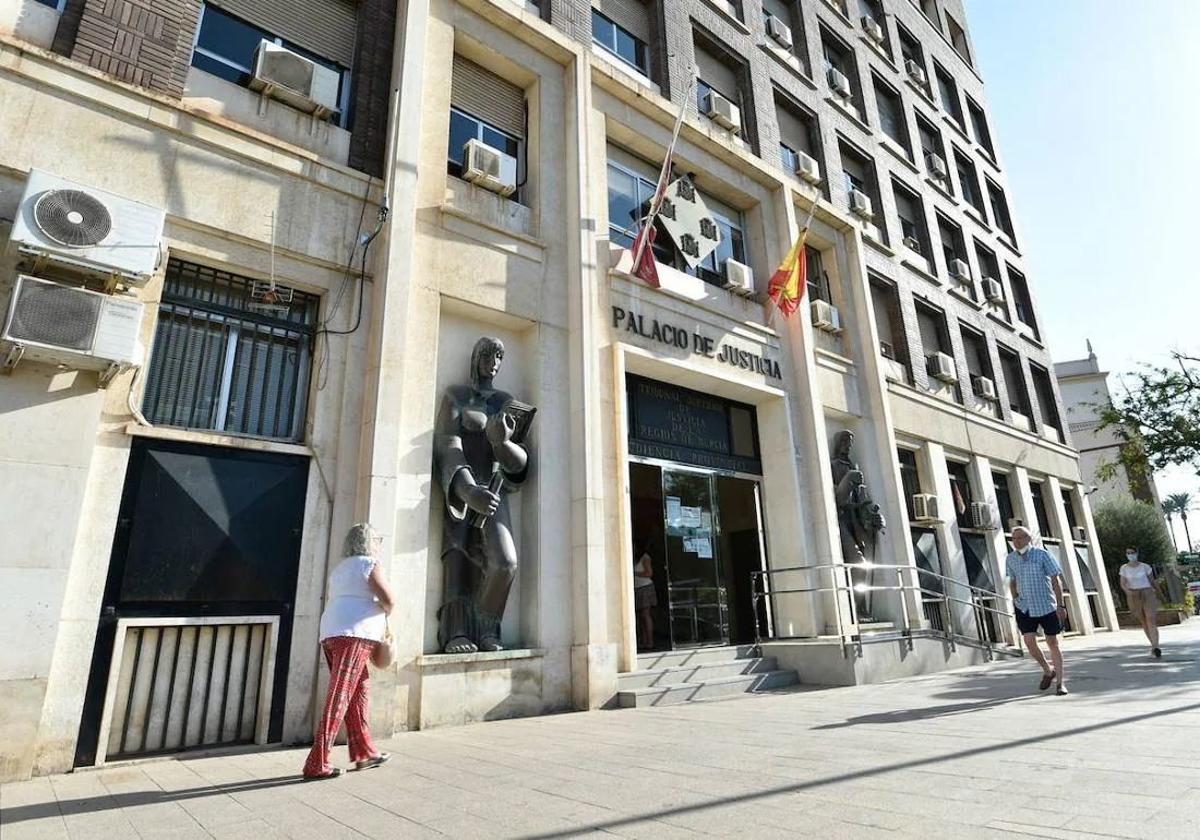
<point x="968" y="182"/>
<point x="958" y="38"/>
<point x="818" y="280"/>
<point x="57" y="5"/>
<point x="948" y="95"/>
<point x="1037" y="491"/>
<point x="910" y="50"/>
<point x="979" y="125"/>
<point x="464" y="127"/>
<point x="797" y="132"/>
<point x="218" y="364"/>
<point x="885" y="304"/>
<point x="840" y="57"/>
<point x="484" y="107"/>
<point x="988" y="267"/>
<point x="954" y="248"/>
<point x="1022" y="303"/>
<point x="786" y="12"/>
<point x="717" y="71"/>
<point x="1000" y="209"/>
<point x="935" y="338"/>
<point x="1003" y="498"/>
<point x="929" y="7"/>
<point x="620" y="42"/>
<point x="960" y="492"/>
<point x="910" y="478"/>
<point x="891" y="115"/>
<point x="911" y="214"/>
<point x="932" y="146"/>
<point x="979" y="362"/>
<point x="1047" y="404"/>
<point x="873" y="9"/>
<point x="1014" y="381"/>
<point x="225" y="47"/>
<point x="1069" y="509"/>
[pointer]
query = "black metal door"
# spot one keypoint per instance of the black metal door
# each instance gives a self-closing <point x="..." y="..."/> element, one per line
<point x="203" y="531"/>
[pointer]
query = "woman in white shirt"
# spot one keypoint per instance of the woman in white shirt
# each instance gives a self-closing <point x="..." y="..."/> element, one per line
<point x="352" y="625"/>
<point x="1137" y="579"/>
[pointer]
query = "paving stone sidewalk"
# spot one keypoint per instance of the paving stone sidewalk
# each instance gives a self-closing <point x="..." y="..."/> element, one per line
<point x="972" y="753"/>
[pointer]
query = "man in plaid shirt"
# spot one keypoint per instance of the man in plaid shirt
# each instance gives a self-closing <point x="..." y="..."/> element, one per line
<point x="1035" y="579"/>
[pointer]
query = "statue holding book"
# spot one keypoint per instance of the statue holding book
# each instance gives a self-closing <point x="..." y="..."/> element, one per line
<point x="480" y="459"/>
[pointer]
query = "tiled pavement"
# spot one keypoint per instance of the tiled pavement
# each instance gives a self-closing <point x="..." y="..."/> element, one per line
<point x="972" y="753"/>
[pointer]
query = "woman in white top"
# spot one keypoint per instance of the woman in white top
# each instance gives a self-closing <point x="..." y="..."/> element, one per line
<point x="352" y="625"/>
<point x="1137" y="579"/>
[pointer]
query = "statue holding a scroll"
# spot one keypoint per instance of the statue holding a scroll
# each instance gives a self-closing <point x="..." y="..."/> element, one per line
<point x="479" y="458"/>
<point x="859" y="519"/>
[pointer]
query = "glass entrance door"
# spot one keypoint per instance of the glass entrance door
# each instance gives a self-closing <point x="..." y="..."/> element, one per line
<point x="696" y="594"/>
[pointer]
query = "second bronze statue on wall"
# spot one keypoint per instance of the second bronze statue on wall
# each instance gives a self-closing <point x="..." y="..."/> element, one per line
<point x="859" y="520"/>
<point x="480" y="458"/>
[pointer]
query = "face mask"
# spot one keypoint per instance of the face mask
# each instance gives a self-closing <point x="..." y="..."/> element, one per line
<point x="1132" y="558"/>
<point x="1023" y="549"/>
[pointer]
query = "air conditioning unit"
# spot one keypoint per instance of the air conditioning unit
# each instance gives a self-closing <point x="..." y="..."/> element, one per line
<point x="825" y="316"/>
<point x="916" y="72"/>
<point x="941" y="366"/>
<point x="887" y="351"/>
<point x="290" y="77"/>
<point x="860" y="204"/>
<point x="88" y="230"/>
<point x="739" y="278"/>
<point x="489" y="168"/>
<point x="984" y="388"/>
<point x="912" y="243"/>
<point x="872" y="28"/>
<point x="807" y="168"/>
<point x="1079" y="533"/>
<point x="838" y="82"/>
<point x="960" y="271"/>
<point x="936" y="166"/>
<point x="779" y="32"/>
<point x="981" y="515"/>
<point x="925" y="506"/>
<point x="992" y="290"/>
<point x="72" y="326"/>
<point x="723" y="112"/>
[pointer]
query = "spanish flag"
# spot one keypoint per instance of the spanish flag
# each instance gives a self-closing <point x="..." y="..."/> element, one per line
<point x="790" y="282"/>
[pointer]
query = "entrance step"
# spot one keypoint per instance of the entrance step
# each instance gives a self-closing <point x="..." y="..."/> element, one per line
<point x="665" y="695"/>
<point x="679" y="676"/>
<point x="693" y="656"/>
<point x="696" y="673"/>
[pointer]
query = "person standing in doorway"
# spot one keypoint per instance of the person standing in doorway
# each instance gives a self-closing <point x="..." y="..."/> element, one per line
<point x="1137" y="580"/>
<point x="645" y="599"/>
<point x="1035" y="579"/>
<point x="352" y="626"/>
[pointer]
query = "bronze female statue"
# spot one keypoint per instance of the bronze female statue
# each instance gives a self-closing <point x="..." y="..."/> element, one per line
<point x="859" y="518"/>
<point x="479" y="460"/>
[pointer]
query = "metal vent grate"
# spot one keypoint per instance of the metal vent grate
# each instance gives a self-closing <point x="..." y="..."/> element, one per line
<point x="47" y="313"/>
<point x="72" y="218"/>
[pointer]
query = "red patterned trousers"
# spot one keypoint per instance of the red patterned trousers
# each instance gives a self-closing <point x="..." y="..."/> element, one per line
<point x="347" y="700"/>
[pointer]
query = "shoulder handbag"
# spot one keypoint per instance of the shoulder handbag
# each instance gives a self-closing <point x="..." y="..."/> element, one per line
<point x="385" y="652"/>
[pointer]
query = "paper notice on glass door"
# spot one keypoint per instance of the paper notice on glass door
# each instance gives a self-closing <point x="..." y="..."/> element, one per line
<point x="691" y="516"/>
<point x="689" y="545"/>
<point x="706" y="521"/>
<point x="674" y="516"/>
<point x="703" y="547"/>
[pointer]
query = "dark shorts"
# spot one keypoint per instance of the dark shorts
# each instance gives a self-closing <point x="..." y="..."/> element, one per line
<point x="1049" y="622"/>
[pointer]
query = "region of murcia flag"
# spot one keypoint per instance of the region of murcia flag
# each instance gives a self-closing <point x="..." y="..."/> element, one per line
<point x="689" y="222"/>
<point x="790" y="282"/>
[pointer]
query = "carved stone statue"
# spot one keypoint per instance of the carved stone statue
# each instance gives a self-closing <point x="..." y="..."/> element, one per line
<point x="479" y="459"/>
<point x="859" y="518"/>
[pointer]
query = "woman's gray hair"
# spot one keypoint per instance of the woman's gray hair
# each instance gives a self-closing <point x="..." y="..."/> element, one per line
<point x="358" y="540"/>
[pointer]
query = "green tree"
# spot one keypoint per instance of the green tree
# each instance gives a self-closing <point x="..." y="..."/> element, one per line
<point x="1180" y="502"/>
<point x="1168" y="509"/>
<point x="1156" y="419"/>
<point x="1122" y="523"/>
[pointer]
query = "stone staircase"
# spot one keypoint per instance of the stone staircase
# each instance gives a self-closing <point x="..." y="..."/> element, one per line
<point x="680" y="676"/>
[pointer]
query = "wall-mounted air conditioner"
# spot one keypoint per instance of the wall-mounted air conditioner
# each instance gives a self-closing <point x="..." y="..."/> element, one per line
<point x="936" y="166"/>
<point x="88" y="230"/>
<point x="779" y="32"/>
<point x="941" y="367"/>
<point x="1079" y="533"/>
<point x="925" y="507"/>
<point x="825" y="316"/>
<point x="294" y="79"/>
<point x="916" y="73"/>
<point x="489" y="168"/>
<point x="71" y="326"/>
<point x="739" y="278"/>
<point x="872" y="28"/>
<point x="838" y="83"/>
<point x="887" y="350"/>
<point x="984" y="388"/>
<point x="807" y="168"/>
<point x="723" y="112"/>
<point x="912" y="243"/>
<point x="860" y="204"/>
<point x="960" y="271"/>
<point x="981" y="515"/>
<point x="992" y="290"/>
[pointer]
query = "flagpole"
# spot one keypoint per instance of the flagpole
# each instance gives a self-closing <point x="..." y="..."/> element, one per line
<point x="659" y="188"/>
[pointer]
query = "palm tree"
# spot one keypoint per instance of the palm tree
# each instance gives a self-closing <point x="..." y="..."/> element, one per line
<point x="1168" y="509"/>
<point x="1181" y="502"/>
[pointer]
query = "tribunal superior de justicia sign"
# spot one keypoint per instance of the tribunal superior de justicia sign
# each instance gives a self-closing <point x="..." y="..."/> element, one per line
<point x="697" y="343"/>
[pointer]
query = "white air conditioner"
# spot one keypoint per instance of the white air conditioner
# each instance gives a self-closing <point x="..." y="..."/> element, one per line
<point x="739" y="278"/>
<point x="838" y="82"/>
<point x="489" y="168"/>
<point x="825" y="316"/>
<point x="981" y="515"/>
<point x="925" y="506"/>
<point x="992" y="290"/>
<point x="807" y="168"/>
<point x="960" y="271"/>
<point x="294" y="79"/>
<point x="872" y="28"/>
<point x="984" y="388"/>
<point x="936" y="166"/>
<point x="912" y="243"/>
<point x="88" y="230"/>
<point x="779" y="32"/>
<point x="72" y="326"/>
<point x="941" y="367"/>
<point x="860" y="204"/>
<point x="723" y="112"/>
<point x="1079" y="534"/>
<point x="915" y="72"/>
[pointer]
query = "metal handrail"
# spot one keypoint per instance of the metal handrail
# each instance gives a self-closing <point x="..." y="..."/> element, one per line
<point x="975" y="601"/>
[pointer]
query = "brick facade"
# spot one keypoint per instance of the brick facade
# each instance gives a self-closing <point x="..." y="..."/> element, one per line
<point x="372" y="86"/>
<point x="143" y="42"/>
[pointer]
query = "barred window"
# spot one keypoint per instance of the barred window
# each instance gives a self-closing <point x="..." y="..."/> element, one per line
<point x="219" y="364"/>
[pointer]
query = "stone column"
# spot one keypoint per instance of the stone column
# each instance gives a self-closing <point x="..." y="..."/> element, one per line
<point x="979" y="470"/>
<point x="1108" y="608"/>
<point x="932" y="462"/>
<point x="1081" y="614"/>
